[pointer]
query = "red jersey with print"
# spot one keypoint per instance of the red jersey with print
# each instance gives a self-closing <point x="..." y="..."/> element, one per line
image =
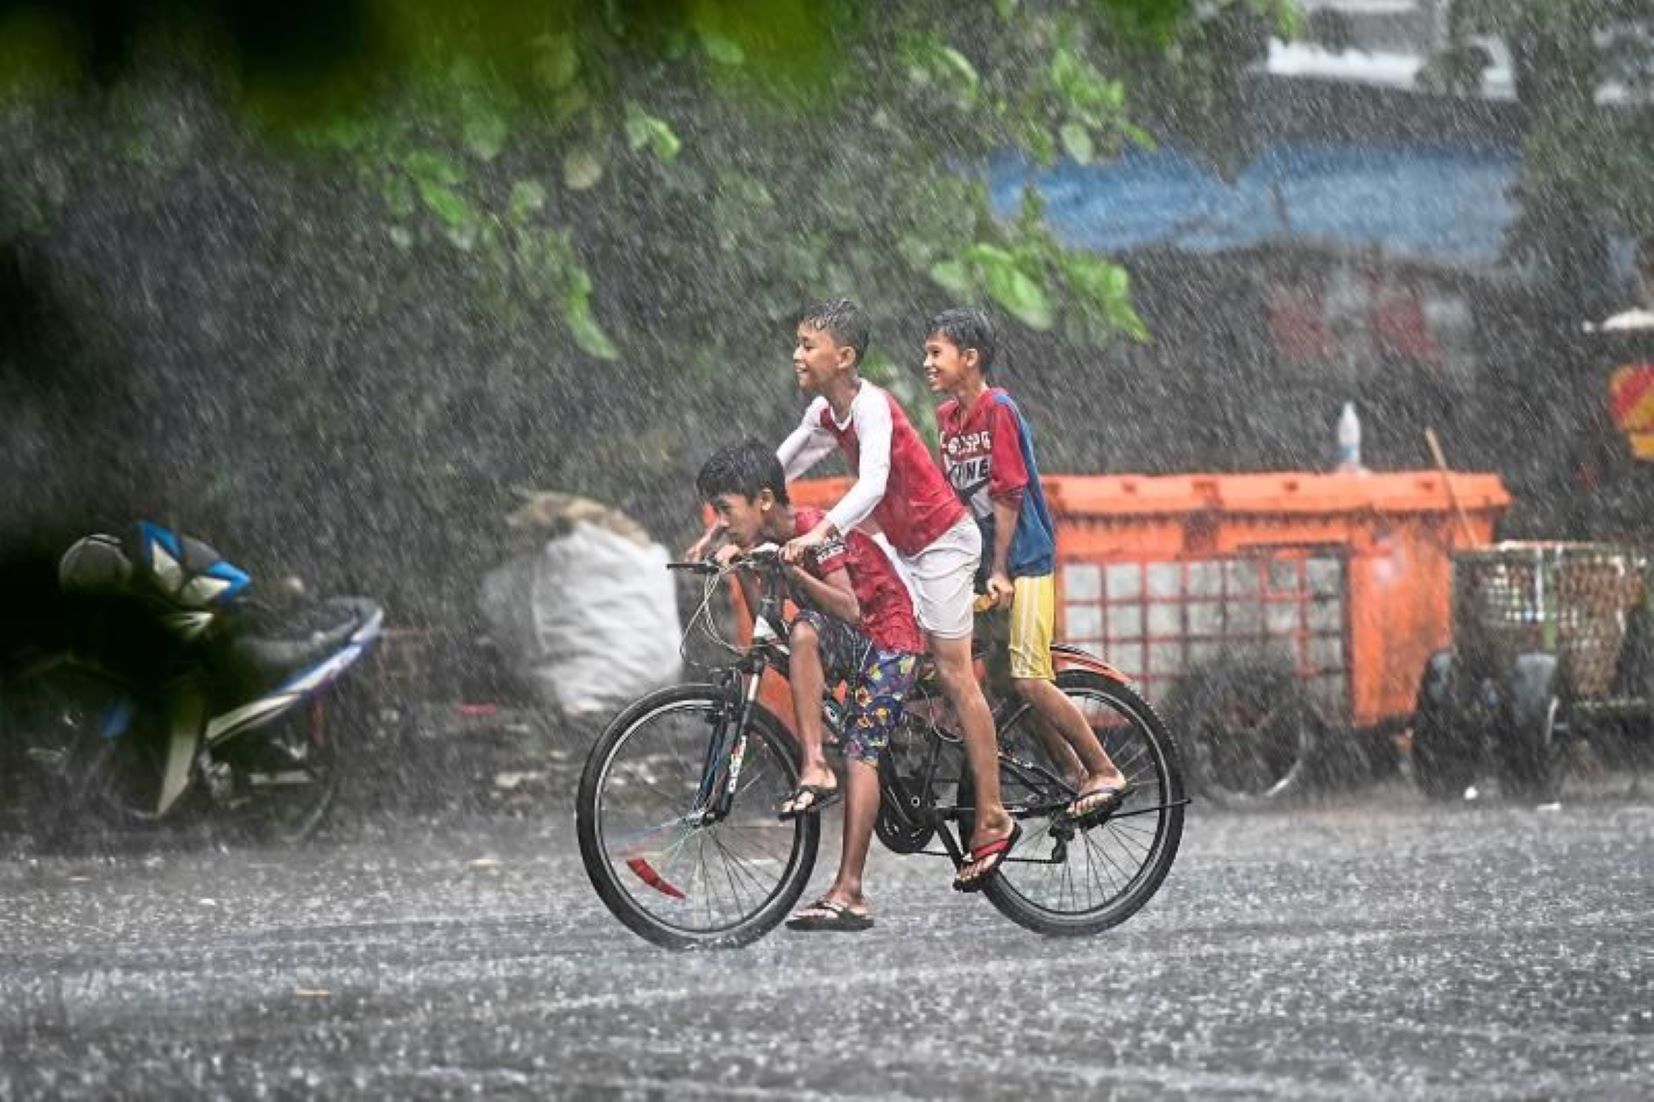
<point x="988" y="453"/>
<point x="897" y="484"/>
<point x="886" y="607"/>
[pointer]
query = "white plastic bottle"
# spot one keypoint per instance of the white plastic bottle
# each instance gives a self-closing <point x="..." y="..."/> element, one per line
<point x="1349" y="440"/>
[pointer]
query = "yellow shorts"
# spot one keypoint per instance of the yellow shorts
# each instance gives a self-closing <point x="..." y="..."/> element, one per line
<point x="1033" y="620"/>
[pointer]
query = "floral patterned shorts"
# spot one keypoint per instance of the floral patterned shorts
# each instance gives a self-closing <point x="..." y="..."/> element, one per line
<point x="879" y="683"/>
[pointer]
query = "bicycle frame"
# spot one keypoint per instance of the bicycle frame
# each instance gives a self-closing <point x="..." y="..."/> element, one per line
<point x="726" y="747"/>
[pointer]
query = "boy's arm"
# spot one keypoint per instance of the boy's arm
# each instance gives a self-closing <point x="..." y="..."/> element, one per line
<point x="727" y="554"/>
<point x="999" y="570"/>
<point x="873" y="432"/>
<point x="1007" y="481"/>
<point x="832" y="595"/>
<point x="702" y="547"/>
<point x="806" y="445"/>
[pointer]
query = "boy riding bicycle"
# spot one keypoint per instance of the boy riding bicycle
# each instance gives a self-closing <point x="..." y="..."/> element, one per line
<point x="855" y="624"/>
<point x="900" y="494"/>
<point x="987" y="451"/>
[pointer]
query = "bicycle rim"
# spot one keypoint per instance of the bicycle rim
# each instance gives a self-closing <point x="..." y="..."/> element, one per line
<point x="668" y="876"/>
<point x="1100" y="876"/>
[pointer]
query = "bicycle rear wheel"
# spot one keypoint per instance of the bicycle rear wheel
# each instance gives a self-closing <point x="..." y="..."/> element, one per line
<point x="1069" y="882"/>
<point x="668" y="876"/>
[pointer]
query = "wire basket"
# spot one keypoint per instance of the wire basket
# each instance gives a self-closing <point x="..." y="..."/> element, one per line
<point x="1566" y="599"/>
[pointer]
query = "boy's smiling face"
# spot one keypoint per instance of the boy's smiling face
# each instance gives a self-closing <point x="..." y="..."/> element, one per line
<point x="947" y="366"/>
<point x="818" y="358"/>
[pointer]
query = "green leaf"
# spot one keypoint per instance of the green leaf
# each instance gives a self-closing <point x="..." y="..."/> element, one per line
<point x="582" y="167"/>
<point x="446" y="203"/>
<point x="721" y="48"/>
<point x="960" y="65"/>
<point x="1021" y="295"/>
<point x="556" y="61"/>
<point x="577" y="311"/>
<point x="527" y="197"/>
<point x="429" y="167"/>
<point x="485" y="134"/>
<point x="643" y="129"/>
<point x="1076" y="142"/>
<point x="952" y="275"/>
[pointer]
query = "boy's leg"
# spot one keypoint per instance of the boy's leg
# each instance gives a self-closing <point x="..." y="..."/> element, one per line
<point x="952" y="658"/>
<point x="876" y="700"/>
<point x="941" y="577"/>
<point x="808" y="680"/>
<point x="1033" y="618"/>
<point x="861" y="809"/>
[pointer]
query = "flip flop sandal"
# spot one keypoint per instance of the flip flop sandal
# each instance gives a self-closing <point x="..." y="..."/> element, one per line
<point x="837" y="917"/>
<point x="1112" y="799"/>
<point x="820" y="797"/>
<point x="1000" y="848"/>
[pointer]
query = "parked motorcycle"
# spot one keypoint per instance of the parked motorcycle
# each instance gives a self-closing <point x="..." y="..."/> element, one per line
<point x="179" y="691"/>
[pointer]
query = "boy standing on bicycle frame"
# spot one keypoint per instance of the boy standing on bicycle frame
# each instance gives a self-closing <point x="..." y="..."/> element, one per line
<point x="855" y="624"/>
<point x="900" y="493"/>
<point x="988" y="454"/>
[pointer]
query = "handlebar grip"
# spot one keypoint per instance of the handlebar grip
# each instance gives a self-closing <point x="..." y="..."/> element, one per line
<point x="694" y="567"/>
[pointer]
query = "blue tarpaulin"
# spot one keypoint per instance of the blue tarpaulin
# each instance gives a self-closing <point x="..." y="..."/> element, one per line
<point x="1448" y="205"/>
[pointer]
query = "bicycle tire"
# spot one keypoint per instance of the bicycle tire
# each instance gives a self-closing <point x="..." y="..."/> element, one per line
<point x="1144" y="749"/>
<point x="1252" y="731"/>
<point x="1532" y="760"/>
<point x="1446" y="747"/>
<point x="635" y="894"/>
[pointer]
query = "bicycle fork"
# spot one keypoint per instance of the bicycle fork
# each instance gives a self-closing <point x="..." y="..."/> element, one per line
<point x="725" y="753"/>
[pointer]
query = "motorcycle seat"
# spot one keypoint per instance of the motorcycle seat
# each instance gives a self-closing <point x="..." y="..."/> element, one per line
<point x="305" y="639"/>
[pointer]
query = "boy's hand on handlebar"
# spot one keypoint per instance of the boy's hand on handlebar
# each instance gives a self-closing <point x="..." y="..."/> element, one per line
<point x="795" y="549"/>
<point x="726" y="555"/>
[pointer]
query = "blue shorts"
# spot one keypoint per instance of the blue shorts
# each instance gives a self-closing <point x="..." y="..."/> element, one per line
<point x="879" y="681"/>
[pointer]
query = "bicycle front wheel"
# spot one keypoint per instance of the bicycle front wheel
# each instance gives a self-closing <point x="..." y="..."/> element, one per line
<point x="669" y="875"/>
<point x="1066" y="881"/>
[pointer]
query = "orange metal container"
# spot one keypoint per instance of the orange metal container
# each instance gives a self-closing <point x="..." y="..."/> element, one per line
<point x="1351" y="572"/>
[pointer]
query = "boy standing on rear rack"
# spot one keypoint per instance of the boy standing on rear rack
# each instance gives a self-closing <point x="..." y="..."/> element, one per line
<point x="988" y="454"/>
<point x="900" y="493"/>
<point x="855" y="624"/>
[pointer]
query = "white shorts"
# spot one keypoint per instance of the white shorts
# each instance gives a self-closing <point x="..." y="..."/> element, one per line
<point x="943" y="580"/>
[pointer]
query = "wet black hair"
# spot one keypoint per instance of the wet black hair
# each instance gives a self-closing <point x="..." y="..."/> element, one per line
<point x="746" y="469"/>
<point x="966" y="327"/>
<point x="841" y="319"/>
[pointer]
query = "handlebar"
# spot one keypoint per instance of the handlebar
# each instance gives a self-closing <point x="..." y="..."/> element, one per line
<point x="765" y="554"/>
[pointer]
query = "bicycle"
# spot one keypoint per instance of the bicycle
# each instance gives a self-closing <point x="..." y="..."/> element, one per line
<point x="676" y="811"/>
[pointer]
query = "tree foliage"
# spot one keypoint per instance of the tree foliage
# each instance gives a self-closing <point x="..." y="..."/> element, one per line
<point x="599" y="216"/>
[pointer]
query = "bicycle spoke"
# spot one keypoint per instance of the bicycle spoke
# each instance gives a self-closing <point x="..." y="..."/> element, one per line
<point x="1101" y="865"/>
<point x="705" y="877"/>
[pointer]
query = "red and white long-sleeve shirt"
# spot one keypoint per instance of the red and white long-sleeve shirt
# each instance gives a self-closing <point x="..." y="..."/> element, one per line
<point x="899" y="490"/>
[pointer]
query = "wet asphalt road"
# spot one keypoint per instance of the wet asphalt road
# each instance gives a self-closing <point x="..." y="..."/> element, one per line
<point x="1381" y="948"/>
